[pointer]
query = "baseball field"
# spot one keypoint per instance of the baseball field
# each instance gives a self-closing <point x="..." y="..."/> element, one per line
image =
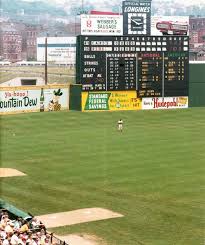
<point x="152" y="172"/>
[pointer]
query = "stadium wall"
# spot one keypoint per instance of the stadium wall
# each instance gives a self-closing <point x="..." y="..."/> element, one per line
<point x="197" y="84"/>
<point x="75" y="97"/>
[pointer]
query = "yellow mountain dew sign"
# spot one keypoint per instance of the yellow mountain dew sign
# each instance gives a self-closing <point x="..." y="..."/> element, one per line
<point x="110" y="101"/>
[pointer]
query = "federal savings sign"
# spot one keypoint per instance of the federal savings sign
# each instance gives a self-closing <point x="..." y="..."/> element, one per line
<point x="102" y="25"/>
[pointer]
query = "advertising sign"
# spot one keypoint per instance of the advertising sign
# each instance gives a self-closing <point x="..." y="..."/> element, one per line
<point x="136" y="17"/>
<point x="101" y="25"/>
<point x="14" y="100"/>
<point x="19" y="100"/>
<point x="164" y="103"/>
<point x="178" y="25"/>
<point x="59" y="49"/>
<point x="55" y="99"/>
<point x="110" y="101"/>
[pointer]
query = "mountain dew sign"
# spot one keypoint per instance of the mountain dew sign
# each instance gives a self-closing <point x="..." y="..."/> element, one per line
<point x="110" y="101"/>
<point x="33" y="98"/>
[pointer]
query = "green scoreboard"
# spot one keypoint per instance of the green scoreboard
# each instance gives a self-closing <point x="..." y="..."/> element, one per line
<point x="153" y="66"/>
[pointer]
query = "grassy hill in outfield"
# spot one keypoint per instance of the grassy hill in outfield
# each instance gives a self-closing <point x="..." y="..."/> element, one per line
<point x="153" y="172"/>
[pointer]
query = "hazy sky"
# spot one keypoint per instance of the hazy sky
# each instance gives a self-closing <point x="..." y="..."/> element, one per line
<point x="186" y="2"/>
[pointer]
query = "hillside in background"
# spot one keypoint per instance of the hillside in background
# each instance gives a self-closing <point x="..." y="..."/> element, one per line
<point x="69" y="8"/>
<point x="32" y="8"/>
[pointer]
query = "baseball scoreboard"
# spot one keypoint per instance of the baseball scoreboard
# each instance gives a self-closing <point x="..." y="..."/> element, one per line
<point x="153" y="66"/>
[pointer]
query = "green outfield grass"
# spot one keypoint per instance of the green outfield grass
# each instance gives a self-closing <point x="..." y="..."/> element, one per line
<point x="153" y="172"/>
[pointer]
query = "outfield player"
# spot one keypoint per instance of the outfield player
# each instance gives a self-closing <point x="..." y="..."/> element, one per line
<point x="120" y="125"/>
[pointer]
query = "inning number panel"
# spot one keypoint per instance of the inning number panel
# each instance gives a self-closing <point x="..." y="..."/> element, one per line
<point x="154" y="66"/>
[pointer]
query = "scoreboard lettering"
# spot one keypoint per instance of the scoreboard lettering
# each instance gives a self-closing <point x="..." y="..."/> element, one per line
<point x="154" y="66"/>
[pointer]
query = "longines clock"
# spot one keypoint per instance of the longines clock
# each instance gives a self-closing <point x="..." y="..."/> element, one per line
<point x="137" y="17"/>
<point x="136" y="24"/>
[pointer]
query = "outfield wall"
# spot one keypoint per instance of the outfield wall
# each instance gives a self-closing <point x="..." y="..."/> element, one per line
<point x="34" y="99"/>
<point x="127" y="100"/>
<point x="29" y="99"/>
<point x="197" y="84"/>
<point x="75" y="97"/>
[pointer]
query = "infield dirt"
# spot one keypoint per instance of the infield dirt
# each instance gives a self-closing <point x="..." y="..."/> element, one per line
<point x="10" y="172"/>
<point x="77" y="217"/>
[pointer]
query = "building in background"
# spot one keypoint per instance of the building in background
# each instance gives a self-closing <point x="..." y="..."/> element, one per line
<point x="30" y="36"/>
<point x="60" y="50"/>
<point x="10" y="43"/>
<point x="197" y="31"/>
<point x="74" y="28"/>
<point x="25" y="41"/>
<point x="18" y="41"/>
<point x="197" y="38"/>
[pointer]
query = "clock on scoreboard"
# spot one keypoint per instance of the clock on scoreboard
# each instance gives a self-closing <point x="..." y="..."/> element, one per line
<point x="136" y="17"/>
<point x="154" y="66"/>
<point x="135" y="23"/>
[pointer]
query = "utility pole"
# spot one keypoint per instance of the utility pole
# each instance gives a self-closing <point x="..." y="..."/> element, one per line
<point x="46" y="62"/>
<point x="83" y="6"/>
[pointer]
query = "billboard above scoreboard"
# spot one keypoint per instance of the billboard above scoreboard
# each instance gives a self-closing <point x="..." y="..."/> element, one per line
<point x="102" y="25"/>
<point x="154" y="66"/>
<point x="136" y="17"/>
<point x="173" y="25"/>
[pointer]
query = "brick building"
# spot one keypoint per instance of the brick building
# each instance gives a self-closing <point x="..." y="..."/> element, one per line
<point x="24" y="41"/>
<point x="30" y="34"/>
<point x="10" y="43"/>
<point x="197" y="38"/>
<point x="197" y="30"/>
<point x="201" y="34"/>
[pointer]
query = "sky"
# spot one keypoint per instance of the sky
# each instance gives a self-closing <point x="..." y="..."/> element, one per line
<point x="186" y="2"/>
<point x="105" y="5"/>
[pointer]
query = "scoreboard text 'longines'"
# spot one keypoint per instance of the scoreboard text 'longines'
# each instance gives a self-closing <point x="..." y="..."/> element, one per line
<point x="154" y="66"/>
